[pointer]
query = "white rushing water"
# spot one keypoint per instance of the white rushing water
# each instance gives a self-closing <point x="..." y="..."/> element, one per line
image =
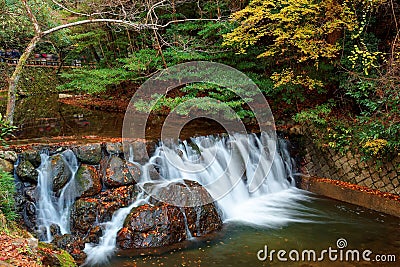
<point x="249" y="176"/>
<point x="54" y="209"/>
<point x="251" y="182"/>
<point x="97" y="254"/>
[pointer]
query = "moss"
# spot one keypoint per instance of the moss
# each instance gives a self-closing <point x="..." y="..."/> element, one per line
<point x="33" y="80"/>
<point x="63" y="258"/>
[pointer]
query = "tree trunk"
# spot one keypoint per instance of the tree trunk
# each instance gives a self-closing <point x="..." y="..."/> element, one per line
<point x="12" y="85"/>
<point x="94" y="52"/>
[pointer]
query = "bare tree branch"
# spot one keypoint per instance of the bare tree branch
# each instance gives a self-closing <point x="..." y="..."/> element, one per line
<point x="39" y="34"/>
<point x="31" y="17"/>
<point x="80" y="13"/>
<point x="184" y="20"/>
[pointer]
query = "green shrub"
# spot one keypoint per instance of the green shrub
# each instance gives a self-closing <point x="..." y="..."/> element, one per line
<point x="6" y="130"/>
<point x="7" y="191"/>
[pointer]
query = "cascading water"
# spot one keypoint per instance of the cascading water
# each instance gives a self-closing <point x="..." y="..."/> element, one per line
<point x="53" y="209"/>
<point x="242" y="173"/>
<point x="250" y="182"/>
<point x="101" y="252"/>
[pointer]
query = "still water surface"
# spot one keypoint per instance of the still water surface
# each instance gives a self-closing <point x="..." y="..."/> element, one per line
<point x="237" y="244"/>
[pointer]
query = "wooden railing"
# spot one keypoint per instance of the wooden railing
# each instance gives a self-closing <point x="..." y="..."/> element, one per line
<point x="42" y="62"/>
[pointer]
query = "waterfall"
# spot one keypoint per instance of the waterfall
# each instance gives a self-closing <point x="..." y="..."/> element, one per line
<point x="53" y="209"/>
<point x="249" y="178"/>
<point x="251" y="181"/>
<point x="99" y="253"/>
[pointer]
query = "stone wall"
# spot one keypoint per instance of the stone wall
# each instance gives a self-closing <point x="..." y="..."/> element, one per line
<point x="327" y="163"/>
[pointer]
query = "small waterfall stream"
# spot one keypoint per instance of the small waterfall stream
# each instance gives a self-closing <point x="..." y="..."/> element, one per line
<point x="249" y="178"/>
<point x="232" y="165"/>
<point x="106" y="247"/>
<point x="53" y="209"/>
<point x="243" y="173"/>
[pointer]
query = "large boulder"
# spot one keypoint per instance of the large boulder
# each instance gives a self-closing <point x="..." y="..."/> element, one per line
<point x="202" y="220"/>
<point x="61" y="173"/>
<point x="152" y="226"/>
<point x="86" y="212"/>
<point x="163" y="224"/>
<point x="89" y="154"/>
<point x="119" y="172"/>
<point x="201" y="213"/>
<point x="27" y="172"/>
<point x="88" y="181"/>
<point x="33" y="156"/>
<point x="185" y="193"/>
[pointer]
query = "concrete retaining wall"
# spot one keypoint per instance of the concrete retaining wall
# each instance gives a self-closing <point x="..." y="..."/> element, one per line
<point x="327" y="163"/>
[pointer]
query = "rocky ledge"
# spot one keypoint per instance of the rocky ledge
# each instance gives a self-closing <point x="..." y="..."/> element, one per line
<point x="104" y="183"/>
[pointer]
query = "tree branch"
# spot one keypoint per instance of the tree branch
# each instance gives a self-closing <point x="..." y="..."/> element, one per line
<point x="70" y="10"/>
<point x="31" y="17"/>
<point x="137" y="26"/>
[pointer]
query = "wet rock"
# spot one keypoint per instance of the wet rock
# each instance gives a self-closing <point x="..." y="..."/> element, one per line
<point x="165" y="224"/>
<point x="73" y="245"/>
<point x="41" y="233"/>
<point x="6" y="165"/>
<point x="55" y="230"/>
<point x="201" y="213"/>
<point x="89" y="154"/>
<point x="114" y="148"/>
<point x="119" y="172"/>
<point x="182" y="194"/>
<point x="88" y="181"/>
<point x="202" y="220"/>
<point x="61" y="173"/>
<point x="94" y="235"/>
<point x="29" y="215"/>
<point x="112" y="200"/>
<point x="20" y="201"/>
<point x="30" y="208"/>
<point x="33" y="156"/>
<point x="26" y="172"/>
<point x="139" y="151"/>
<point x="86" y="212"/>
<point x="31" y="193"/>
<point x="152" y="226"/>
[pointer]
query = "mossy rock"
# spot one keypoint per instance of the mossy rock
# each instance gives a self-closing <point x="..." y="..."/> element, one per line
<point x="27" y="172"/>
<point x="61" y="258"/>
<point x="89" y="154"/>
<point x="88" y="181"/>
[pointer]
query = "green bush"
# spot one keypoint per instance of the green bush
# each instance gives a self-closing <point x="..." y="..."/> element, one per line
<point x="6" y="130"/>
<point x="7" y="191"/>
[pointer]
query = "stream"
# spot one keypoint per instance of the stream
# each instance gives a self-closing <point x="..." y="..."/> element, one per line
<point x="279" y="216"/>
